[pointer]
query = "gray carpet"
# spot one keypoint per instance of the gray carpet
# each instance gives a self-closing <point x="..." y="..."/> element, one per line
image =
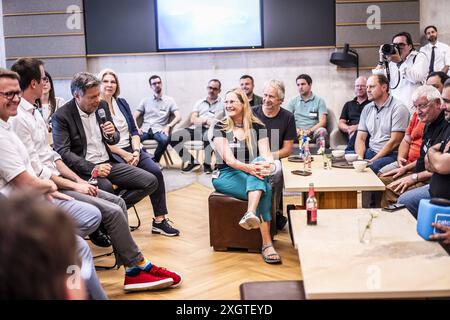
<point x="175" y="180"/>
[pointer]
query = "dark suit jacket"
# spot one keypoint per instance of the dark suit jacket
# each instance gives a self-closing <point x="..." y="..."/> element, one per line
<point x="69" y="137"/>
<point x="126" y="111"/>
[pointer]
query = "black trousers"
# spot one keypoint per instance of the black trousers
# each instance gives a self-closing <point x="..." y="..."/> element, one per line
<point x="188" y="134"/>
<point x="134" y="183"/>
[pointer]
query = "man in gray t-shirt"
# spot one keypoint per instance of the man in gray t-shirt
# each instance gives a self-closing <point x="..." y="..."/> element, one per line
<point x="156" y="111"/>
<point x="383" y="121"/>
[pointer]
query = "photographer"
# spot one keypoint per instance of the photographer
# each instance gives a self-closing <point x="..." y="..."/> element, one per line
<point x="405" y="67"/>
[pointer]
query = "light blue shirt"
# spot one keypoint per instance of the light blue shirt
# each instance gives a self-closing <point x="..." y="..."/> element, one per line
<point x="307" y="112"/>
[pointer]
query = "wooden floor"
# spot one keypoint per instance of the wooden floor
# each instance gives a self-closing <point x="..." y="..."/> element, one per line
<point x="207" y="274"/>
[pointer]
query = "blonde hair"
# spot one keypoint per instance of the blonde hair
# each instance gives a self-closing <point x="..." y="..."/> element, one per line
<point x="248" y="119"/>
<point x="107" y="71"/>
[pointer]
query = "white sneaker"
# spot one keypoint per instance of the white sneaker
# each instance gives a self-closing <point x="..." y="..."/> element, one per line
<point x="250" y="221"/>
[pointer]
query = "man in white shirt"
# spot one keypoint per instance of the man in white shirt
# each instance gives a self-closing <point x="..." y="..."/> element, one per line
<point x="16" y="173"/>
<point x="406" y="68"/>
<point x="438" y="53"/>
<point x="47" y="164"/>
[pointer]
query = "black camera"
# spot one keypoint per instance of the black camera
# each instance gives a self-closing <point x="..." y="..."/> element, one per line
<point x="388" y="49"/>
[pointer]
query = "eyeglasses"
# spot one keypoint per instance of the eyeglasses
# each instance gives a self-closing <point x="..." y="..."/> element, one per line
<point x="45" y="79"/>
<point x="11" y="94"/>
<point x="212" y="88"/>
<point x="422" y="107"/>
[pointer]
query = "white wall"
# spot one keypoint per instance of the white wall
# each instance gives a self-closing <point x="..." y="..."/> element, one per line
<point x="2" y="39"/>
<point x="185" y="76"/>
<point x="436" y="12"/>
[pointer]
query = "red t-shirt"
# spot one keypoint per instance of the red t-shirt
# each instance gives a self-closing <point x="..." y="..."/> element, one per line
<point x="415" y="130"/>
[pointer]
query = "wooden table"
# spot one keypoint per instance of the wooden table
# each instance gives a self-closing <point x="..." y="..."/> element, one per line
<point x="397" y="263"/>
<point x="336" y="188"/>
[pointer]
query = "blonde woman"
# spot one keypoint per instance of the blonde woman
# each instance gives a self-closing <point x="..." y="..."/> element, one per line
<point x="244" y="162"/>
<point x="128" y="149"/>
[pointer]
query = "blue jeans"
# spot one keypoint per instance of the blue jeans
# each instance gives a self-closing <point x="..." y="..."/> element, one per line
<point x="412" y="198"/>
<point x="380" y="163"/>
<point x="163" y="142"/>
<point x="351" y="143"/>
<point x="237" y="183"/>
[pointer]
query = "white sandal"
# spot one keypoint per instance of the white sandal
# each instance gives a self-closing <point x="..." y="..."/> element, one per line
<point x="250" y="221"/>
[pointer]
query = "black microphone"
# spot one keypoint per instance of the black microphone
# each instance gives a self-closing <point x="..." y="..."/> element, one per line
<point x="102" y="115"/>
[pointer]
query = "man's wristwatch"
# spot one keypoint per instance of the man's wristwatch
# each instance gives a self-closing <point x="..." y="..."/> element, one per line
<point x="415" y="177"/>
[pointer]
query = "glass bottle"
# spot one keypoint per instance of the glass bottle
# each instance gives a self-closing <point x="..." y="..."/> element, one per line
<point x="93" y="180"/>
<point x="311" y="206"/>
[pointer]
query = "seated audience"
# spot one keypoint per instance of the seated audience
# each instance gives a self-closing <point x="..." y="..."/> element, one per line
<point x="16" y="173"/>
<point x="82" y="130"/>
<point x="48" y="101"/>
<point x="411" y="172"/>
<point x="30" y="127"/>
<point x="247" y="85"/>
<point x="351" y="112"/>
<point x="280" y="125"/>
<point x="48" y="265"/>
<point x="155" y="110"/>
<point x="128" y="149"/>
<point x="309" y="110"/>
<point x="203" y="115"/>
<point x="383" y="122"/>
<point x="437" y="160"/>
<point x="244" y="162"/>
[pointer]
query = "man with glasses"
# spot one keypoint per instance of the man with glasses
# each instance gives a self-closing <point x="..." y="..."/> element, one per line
<point x="406" y="69"/>
<point x="412" y="174"/>
<point x="203" y="115"/>
<point x="156" y="111"/>
<point x="437" y="161"/>
<point x="351" y="112"/>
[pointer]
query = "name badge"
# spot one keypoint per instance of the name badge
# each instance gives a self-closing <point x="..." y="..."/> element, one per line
<point x="233" y="145"/>
<point x="313" y="115"/>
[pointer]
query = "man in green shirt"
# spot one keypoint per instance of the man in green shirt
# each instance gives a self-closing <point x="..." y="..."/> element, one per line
<point x="309" y="110"/>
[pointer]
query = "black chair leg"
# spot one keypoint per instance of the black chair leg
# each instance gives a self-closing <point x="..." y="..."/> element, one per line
<point x="132" y="228"/>
<point x="114" y="266"/>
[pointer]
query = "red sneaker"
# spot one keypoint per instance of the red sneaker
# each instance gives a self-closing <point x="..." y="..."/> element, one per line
<point x="138" y="280"/>
<point x="164" y="273"/>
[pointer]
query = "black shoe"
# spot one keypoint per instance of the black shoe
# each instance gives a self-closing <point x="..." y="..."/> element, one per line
<point x="281" y="220"/>
<point x="100" y="239"/>
<point x="191" y="167"/>
<point x="207" y="168"/>
<point x="164" y="228"/>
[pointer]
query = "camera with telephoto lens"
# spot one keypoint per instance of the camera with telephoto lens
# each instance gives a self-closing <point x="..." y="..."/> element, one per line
<point x="388" y="49"/>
